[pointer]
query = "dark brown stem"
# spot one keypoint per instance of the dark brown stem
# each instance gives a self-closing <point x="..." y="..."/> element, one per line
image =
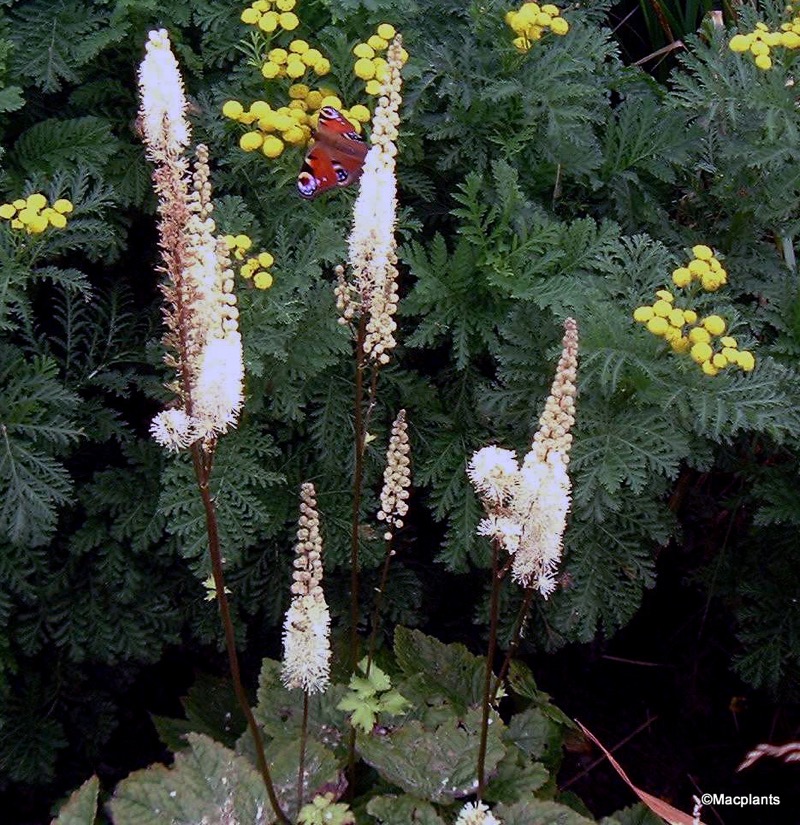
<point x="358" y="476"/>
<point x="487" y="682"/>
<point x="203" y="459"/>
<point x="303" y="735"/>
<point x="376" y="611"/>
<point x="515" y="639"/>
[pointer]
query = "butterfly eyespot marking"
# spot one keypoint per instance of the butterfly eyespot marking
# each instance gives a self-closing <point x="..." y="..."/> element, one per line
<point x="306" y="185"/>
<point x="341" y="173"/>
<point x="336" y="157"/>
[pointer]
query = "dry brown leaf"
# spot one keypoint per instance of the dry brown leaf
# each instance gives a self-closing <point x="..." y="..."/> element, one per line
<point x="789" y="752"/>
<point x="660" y="808"/>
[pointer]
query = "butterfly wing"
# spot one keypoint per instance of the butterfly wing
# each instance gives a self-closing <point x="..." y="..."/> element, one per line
<point x="317" y="174"/>
<point x="335" y="159"/>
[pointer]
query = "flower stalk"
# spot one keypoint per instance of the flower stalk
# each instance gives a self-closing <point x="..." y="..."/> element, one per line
<point x="202" y="340"/>
<point x="526" y="510"/>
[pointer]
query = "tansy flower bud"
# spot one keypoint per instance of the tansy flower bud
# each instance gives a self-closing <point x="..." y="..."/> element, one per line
<point x="681" y="277"/>
<point x="272" y="146"/>
<point x="289" y="21"/>
<point x="268" y="22"/>
<point x="702" y="252"/>
<point x="270" y="70"/>
<point x="232" y="109"/>
<point x="714" y="324"/>
<point x="364" y="50"/>
<point x="250" y="141"/>
<point x="364" y="68"/>
<point x="699" y="335"/>
<point x="700" y="352"/>
<point x="263" y="280"/>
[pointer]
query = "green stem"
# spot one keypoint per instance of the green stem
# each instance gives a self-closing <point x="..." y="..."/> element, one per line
<point x="203" y="459"/>
<point x="487" y="682"/>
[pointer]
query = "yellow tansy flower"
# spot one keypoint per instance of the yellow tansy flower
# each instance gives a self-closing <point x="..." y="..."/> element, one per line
<point x="272" y="146"/>
<point x="263" y="280"/>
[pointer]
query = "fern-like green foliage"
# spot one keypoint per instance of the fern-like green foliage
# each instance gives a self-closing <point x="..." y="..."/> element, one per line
<point x="36" y="428"/>
<point x="533" y="186"/>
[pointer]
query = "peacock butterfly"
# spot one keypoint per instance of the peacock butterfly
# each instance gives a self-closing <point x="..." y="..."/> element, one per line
<point x="336" y="157"/>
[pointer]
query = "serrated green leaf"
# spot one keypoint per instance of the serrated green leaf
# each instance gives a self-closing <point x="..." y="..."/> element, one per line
<point x="516" y="778"/>
<point x="635" y="815"/>
<point x="81" y="807"/>
<point x="400" y="810"/>
<point x="448" y="670"/>
<point x="280" y="711"/>
<point x="541" y="812"/>
<point x="206" y="783"/>
<point x="438" y="763"/>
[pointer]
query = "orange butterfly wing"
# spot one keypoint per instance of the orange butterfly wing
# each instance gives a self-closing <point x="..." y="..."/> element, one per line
<point x="336" y="157"/>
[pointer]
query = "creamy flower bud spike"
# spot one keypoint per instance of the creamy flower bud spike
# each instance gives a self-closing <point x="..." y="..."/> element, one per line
<point x="527" y="506"/>
<point x="372" y="246"/>
<point x="396" y="477"/>
<point x="542" y="501"/>
<point x="202" y="339"/>
<point x="306" y="629"/>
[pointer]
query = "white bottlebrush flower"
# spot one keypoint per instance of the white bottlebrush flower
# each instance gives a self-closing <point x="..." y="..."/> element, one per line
<point x="476" y="813"/>
<point x="372" y="245"/>
<point x="163" y="110"/>
<point x="203" y="343"/>
<point x="527" y="507"/>
<point x="493" y="472"/>
<point x="306" y="629"/>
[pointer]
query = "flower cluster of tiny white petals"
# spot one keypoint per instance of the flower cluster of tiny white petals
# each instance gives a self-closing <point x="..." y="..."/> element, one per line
<point x="493" y="472"/>
<point x="527" y="506"/>
<point x="163" y="110"/>
<point x="202" y="338"/>
<point x="477" y="813"/>
<point x="372" y="246"/>
<point x="306" y="629"/>
<point x="396" y="477"/>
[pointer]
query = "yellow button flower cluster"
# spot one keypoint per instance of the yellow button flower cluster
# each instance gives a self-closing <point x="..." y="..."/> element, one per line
<point x="761" y="40"/>
<point x="531" y="21"/>
<point x="270" y="15"/>
<point x="681" y="329"/>
<point x="34" y="215"/>
<point x="254" y="267"/>
<point x="238" y="245"/>
<point x="370" y="65"/>
<point x="290" y="124"/>
<point x="704" y="267"/>
<point x="295" y="61"/>
<point x="275" y="127"/>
